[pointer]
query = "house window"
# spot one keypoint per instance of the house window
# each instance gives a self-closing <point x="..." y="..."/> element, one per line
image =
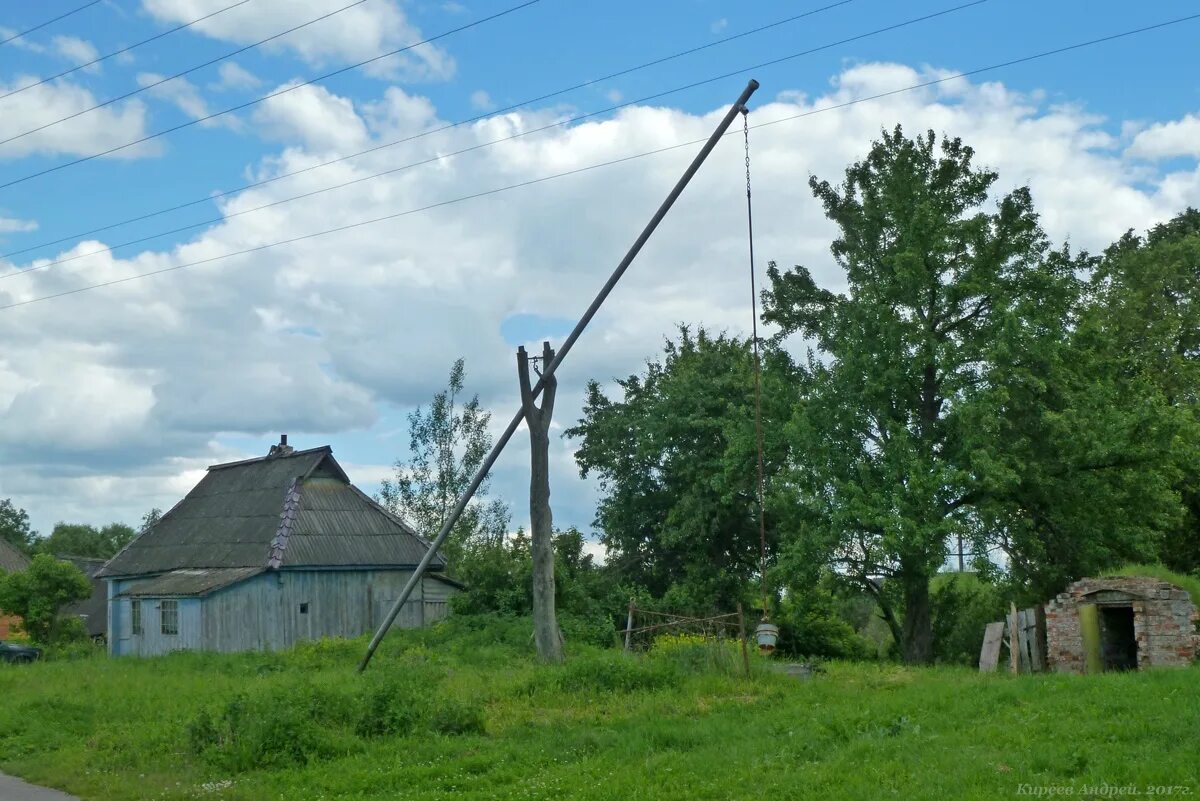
<point x="170" y="617"/>
<point x="135" y="616"/>
<point x="304" y="608"/>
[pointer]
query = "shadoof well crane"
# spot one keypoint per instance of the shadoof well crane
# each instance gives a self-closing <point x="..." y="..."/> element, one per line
<point x="738" y="107"/>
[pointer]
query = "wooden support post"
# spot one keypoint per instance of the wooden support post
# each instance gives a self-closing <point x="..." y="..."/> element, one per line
<point x="742" y="638"/>
<point x="1039" y="620"/>
<point x="629" y="625"/>
<point x="547" y="633"/>
<point x="1014" y="644"/>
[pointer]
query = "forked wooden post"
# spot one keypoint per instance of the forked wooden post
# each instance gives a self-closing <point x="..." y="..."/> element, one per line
<point x="742" y="637"/>
<point x="548" y="370"/>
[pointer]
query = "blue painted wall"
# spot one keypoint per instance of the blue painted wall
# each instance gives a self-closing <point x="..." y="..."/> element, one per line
<point x="274" y="610"/>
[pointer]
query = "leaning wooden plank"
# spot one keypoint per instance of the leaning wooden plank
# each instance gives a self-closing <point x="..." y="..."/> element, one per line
<point x="989" y="656"/>
<point x="1023" y="662"/>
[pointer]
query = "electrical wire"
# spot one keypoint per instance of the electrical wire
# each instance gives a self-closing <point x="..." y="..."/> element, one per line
<point x="622" y="160"/>
<point x="126" y="49"/>
<point x="253" y="185"/>
<point x="482" y="145"/>
<point x="161" y="81"/>
<point x="240" y="106"/>
<point x="41" y="25"/>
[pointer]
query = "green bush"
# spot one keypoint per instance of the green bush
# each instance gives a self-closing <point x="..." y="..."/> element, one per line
<point x="962" y="606"/>
<point x="452" y="716"/>
<point x="810" y="626"/>
<point x="286" y="727"/>
<point x="607" y="672"/>
<point x="392" y="706"/>
<point x="691" y="654"/>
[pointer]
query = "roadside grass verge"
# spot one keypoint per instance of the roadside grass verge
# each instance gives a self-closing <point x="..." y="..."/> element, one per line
<point x="463" y="712"/>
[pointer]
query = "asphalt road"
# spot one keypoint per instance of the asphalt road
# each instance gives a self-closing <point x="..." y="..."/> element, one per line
<point x="16" y="790"/>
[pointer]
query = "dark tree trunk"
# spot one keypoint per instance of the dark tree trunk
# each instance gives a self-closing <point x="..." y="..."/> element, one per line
<point x="541" y="521"/>
<point x="917" y="642"/>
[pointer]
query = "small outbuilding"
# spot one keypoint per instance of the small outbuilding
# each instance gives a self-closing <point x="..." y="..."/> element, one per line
<point x="264" y="553"/>
<point x="93" y="611"/>
<point x="1120" y="623"/>
<point x="12" y="560"/>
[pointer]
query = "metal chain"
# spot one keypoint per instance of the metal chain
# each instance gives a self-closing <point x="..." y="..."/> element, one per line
<point x="758" y="427"/>
<point x="746" y="136"/>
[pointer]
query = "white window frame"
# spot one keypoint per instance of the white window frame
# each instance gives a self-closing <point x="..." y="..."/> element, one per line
<point x="169" y="605"/>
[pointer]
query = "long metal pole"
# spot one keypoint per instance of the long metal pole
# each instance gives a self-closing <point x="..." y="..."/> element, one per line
<point x="549" y="369"/>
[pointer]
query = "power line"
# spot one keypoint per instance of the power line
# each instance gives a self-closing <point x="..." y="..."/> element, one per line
<point x="107" y="56"/>
<point x="161" y="81"/>
<point x="39" y="26"/>
<point x="482" y="145"/>
<point x="216" y="195"/>
<point x="247" y="104"/>
<point x="622" y="160"/>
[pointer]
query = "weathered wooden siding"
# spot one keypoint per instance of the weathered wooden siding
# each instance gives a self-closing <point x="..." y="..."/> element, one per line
<point x="151" y="642"/>
<point x="264" y="613"/>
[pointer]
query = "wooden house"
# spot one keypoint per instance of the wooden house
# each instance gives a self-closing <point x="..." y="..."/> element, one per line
<point x="11" y="561"/>
<point x="92" y="611"/>
<point x="264" y="553"/>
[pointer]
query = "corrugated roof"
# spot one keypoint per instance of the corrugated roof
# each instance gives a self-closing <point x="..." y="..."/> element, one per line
<point x="11" y="559"/>
<point x="189" y="582"/>
<point x="237" y="513"/>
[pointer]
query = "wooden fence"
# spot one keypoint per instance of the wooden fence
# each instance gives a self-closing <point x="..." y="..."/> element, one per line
<point x="1023" y="633"/>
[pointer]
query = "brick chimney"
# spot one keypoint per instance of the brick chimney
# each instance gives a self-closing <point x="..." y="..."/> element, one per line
<point x="282" y="449"/>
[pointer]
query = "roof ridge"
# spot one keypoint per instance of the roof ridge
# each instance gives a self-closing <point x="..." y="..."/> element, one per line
<point x="287" y="519"/>
<point x="308" y="452"/>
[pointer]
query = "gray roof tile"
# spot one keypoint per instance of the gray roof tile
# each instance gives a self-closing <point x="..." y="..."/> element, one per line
<point x="232" y="517"/>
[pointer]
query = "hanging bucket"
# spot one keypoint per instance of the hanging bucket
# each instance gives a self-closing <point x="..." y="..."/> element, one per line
<point x="767" y="635"/>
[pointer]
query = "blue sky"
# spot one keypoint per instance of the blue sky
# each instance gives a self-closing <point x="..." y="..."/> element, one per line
<point x="149" y="362"/>
<point x="555" y="44"/>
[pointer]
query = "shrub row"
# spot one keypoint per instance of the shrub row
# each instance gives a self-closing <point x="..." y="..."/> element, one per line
<point x="302" y="723"/>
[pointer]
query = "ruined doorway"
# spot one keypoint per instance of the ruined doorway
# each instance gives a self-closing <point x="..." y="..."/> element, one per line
<point x="1118" y="643"/>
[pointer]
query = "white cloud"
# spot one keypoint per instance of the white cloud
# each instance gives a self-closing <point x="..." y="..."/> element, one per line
<point x="1166" y="140"/>
<point x="321" y="338"/>
<point x="482" y="101"/>
<point x="354" y="35"/>
<point x="718" y="26"/>
<point x="88" y="133"/>
<point x="11" y="225"/>
<point x="23" y="43"/>
<point x="77" y="51"/>
<point x="179" y="92"/>
<point x="314" y="117"/>
<point x="233" y="76"/>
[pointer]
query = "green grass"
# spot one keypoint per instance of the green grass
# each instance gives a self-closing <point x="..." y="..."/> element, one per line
<point x="495" y="725"/>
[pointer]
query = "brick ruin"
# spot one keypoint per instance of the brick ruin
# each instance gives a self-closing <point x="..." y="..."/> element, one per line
<point x="1121" y="623"/>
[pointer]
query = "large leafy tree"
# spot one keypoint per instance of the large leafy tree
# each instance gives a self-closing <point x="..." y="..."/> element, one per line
<point x="448" y="441"/>
<point x="14" y="526"/>
<point x="937" y="292"/>
<point x="675" y="457"/>
<point x="37" y="593"/>
<point x="1144" y="324"/>
<point x="77" y="539"/>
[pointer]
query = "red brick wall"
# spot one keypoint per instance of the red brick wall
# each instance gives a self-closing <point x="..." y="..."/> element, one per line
<point x="8" y="626"/>
<point x="1164" y="622"/>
